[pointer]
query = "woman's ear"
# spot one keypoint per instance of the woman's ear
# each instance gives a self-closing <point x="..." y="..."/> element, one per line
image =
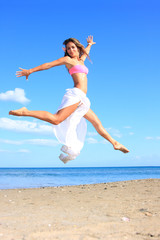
<point x="64" y="49"/>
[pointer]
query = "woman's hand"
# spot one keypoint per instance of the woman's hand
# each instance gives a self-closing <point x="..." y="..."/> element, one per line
<point x="23" y="72"/>
<point x="90" y="40"/>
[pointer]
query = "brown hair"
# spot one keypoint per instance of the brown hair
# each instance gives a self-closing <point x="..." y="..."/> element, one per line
<point x="79" y="46"/>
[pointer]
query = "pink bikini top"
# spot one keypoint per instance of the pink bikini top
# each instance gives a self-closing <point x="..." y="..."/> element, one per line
<point x="78" y="69"/>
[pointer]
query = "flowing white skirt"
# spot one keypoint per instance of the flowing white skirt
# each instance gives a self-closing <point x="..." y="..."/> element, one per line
<point x="72" y="131"/>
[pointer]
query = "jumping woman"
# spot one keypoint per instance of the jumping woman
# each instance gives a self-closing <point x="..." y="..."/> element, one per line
<point x="68" y="122"/>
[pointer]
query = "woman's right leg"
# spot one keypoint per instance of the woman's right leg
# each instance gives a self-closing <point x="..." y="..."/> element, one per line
<point x="55" y="119"/>
<point x="92" y="117"/>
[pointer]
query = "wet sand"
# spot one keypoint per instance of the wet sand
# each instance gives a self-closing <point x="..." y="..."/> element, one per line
<point x="110" y="211"/>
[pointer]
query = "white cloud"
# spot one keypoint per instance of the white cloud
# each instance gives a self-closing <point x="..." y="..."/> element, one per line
<point x="92" y="134"/>
<point x="23" y="151"/>
<point x="16" y="151"/>
<point x="43" y="142"/>
<point x="152" y="138"/>
<point x="18" y="95"/>
<point x="114" y="132"/>
<point x="3" y="150"/>
<point x="104" y="141"/>
<point x="149" y="138"/>
<point x="25" y="126"/>
<point x="131" y="133"/>
<point x="6" y="141"/>
<point x="128" y="127"/>
<point x="91" y="140"/>
<point x="136" y="157"/>
<point x="40" y="142"/>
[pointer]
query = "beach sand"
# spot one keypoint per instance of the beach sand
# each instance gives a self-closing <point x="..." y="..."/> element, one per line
<point x="119" y="210"/>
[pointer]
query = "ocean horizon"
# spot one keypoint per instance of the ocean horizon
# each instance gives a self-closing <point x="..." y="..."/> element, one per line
<point x="16" y="178"/>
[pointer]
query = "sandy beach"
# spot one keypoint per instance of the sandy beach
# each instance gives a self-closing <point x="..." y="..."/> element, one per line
<point x="119" y="210"/>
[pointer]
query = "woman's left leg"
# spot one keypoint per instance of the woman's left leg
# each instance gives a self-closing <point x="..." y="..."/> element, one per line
<point x="92" y="117"/>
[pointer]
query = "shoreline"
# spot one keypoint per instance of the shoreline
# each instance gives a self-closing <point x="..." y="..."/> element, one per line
<point x="51" y="177"/>
<point x="115" y="210"/>
<point x="78" y="185"/>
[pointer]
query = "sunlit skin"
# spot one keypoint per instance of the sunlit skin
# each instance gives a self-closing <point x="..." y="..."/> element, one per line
<point x="80" y="81"/>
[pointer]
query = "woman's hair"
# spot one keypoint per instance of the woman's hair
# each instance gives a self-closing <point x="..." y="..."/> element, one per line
<point x="78" y="44"/>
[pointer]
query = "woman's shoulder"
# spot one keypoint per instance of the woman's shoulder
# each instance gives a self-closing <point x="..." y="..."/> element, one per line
<point x="69" y="62"/>
<point x="67" y="59"/>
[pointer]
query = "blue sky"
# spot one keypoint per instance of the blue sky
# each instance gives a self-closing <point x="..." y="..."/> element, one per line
<point x="123" y="81"/>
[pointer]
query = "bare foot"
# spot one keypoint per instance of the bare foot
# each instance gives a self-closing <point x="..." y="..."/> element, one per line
<point x="19" y="112"/>
<point x="120" y="147"/>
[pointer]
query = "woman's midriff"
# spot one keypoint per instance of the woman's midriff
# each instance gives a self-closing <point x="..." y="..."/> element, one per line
<point x="80" y="81"/>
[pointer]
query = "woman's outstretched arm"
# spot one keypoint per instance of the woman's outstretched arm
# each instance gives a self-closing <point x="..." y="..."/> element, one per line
<point x="45" y="66"/>
<point x="88" y="48"/>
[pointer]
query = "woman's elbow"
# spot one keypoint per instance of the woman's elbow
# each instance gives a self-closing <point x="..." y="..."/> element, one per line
<point x="46" y="66"/>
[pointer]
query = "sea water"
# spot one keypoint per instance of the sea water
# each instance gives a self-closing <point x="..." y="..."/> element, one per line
<point x="12" y="178"/>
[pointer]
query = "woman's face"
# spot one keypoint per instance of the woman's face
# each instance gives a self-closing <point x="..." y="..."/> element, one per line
<point x="72" y="50"/>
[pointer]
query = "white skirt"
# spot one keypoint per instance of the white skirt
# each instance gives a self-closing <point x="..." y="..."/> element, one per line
<point x="72" y="131"/>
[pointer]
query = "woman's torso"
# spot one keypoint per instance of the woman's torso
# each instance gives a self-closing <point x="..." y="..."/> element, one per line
<point x="79" y="77"/>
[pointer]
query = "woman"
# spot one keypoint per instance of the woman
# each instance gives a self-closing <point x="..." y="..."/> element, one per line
<point x="68" y="122"/>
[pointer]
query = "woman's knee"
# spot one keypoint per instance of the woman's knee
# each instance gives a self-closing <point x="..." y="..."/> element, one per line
<point x="57" y="119"/>
<point x="53" y="119"/>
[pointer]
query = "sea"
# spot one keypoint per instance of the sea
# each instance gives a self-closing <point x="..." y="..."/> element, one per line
<point x="16" y="178"/>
